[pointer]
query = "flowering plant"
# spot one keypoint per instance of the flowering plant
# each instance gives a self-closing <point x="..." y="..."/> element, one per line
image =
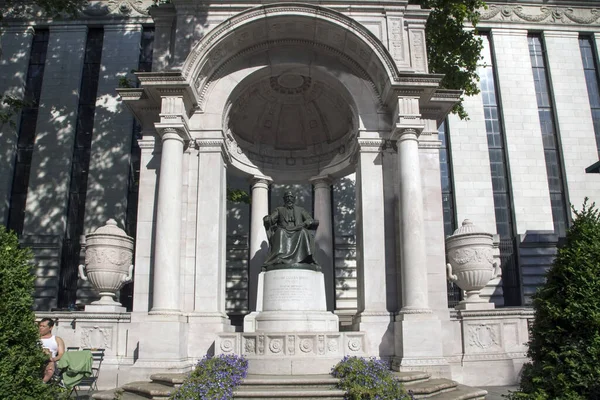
<point x="368" y="378"/>
<point x="213" y="378"/>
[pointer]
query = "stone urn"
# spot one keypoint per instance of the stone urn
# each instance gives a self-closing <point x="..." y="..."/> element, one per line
<point x="471" y="263"/>
<point x="108" y="256"/>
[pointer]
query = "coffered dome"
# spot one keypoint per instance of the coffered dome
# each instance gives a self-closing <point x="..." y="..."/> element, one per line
<point x="291" y="112"/>
<point x="291" y="119"/>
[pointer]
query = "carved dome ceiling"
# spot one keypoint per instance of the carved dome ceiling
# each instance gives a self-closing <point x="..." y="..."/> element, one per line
<point x="290" y="112"/>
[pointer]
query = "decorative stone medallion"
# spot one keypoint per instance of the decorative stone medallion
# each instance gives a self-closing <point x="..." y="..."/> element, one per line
<point x="276" y="345"/>
<point x="306" y="345"/>
<point x="227" y="345"/>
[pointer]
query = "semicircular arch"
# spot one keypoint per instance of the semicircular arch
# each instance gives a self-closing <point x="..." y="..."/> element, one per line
<point x="272" y="24"/>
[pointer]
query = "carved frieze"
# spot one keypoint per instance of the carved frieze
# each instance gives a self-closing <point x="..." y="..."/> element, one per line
<point x="117" y="8"/>
<point x="541" y="14"/>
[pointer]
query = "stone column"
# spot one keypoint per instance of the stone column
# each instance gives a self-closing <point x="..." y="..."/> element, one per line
<point x="373" y="317"/>
<point x="418" y="331"/>
<point x="150" y="146"/>
<point x="167" y="247"/>
<point x="412" y="232"/>
<point x="14" y="62"/>
<point x="324" y="234"/>
<point x="259" y="244"/>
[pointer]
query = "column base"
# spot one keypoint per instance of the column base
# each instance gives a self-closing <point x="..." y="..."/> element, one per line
<point x="162" y="340"/>
<point x="418" y="344"/>
<point x="379" y="329"/>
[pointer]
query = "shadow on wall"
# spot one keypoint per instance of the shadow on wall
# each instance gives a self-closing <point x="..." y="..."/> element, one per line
<point x="344" y="231"/>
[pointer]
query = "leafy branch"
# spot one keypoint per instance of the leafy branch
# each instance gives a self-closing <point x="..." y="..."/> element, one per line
<point x="453" y="45"/>
<point x="11" y="105"/>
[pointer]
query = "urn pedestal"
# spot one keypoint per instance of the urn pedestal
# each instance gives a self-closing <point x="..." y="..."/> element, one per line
<point x="108" y="257"/>
<point x="471" y="264"/>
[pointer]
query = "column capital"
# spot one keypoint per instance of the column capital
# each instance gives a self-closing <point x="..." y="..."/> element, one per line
<point x="259" y="181"/>
<point x="172" y="132"/>
<point x="405" y="133"/>
<point x="321" y="182"/>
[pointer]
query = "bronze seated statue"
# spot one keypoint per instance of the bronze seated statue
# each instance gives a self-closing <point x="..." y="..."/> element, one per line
<point x="291" y="245"/>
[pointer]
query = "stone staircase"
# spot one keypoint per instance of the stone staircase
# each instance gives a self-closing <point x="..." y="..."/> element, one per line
<point x="321" y="387"/>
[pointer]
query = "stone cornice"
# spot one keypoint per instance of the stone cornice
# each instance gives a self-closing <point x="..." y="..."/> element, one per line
<point x="82" y="316"/>
<point x="212" y="145"/>
<point x="522" y="312"/>
<point x="370" y="145"/>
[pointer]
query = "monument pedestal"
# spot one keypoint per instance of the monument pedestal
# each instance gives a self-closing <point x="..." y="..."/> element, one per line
<point x="291" y="300"/>
<point x="291" y="332"/>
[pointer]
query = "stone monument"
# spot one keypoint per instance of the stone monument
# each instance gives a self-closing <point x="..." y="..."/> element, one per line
<point x="291" y="286"/>
<point x="291" y="332"/>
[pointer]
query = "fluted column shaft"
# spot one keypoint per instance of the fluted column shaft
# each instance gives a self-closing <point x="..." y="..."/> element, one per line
<point x="259" y="244"/>
<point x="168" y="225"/>
<point x="324" y="234"/>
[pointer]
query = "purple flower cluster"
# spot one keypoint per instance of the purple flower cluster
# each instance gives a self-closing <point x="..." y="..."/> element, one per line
<point x="368" y="378"/>
<point x="213" y="378"/>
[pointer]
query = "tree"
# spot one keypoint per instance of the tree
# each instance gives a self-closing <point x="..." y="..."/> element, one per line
<point x="453" y="47"/>
<point x="22" y="360"/>
<point x="565" y="336"/>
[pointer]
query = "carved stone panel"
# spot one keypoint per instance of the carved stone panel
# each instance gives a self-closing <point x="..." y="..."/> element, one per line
<point x="97" y="337"/>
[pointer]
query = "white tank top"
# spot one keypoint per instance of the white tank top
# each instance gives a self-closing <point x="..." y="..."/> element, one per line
<point x="50" y="344"/>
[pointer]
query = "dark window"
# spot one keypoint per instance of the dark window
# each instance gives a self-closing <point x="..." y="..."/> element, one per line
<point x="590" y="68"/>
<point x="549" y="135"/>
<point x="499" y="173"/>
<point x="27" y="127"/>
<point x="79" y="168"/>
<point x="454" y="292"/>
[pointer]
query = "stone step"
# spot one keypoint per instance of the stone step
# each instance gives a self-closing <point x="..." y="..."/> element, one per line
<point x="285" y="387"/>
<point x="169" y="379"/>
<point x="431" y="387"/>
<point x="287" y="393"/>
<point x="411" y="376"/>
<point x="462" y="392"/>
<point x="150" y="390"/>
<point x="107" y="394"/>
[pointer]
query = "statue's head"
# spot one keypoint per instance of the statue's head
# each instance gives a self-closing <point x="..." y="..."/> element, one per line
<point x="289" y="198"/>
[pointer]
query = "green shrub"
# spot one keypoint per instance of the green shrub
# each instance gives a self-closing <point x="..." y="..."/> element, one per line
<point x="565" y="335"/>
<point x="22" y="360"/>
<point x="367" y="379"/>
<point x="213" y="378"/>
